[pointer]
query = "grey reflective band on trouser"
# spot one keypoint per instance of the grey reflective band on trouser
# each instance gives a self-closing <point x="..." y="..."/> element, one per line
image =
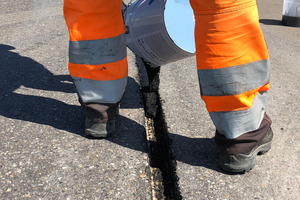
<point x="100" y="91"/>
<point x="234" y="80"/>
<point x="96" y="52"/>
<point x="232" y="124"/>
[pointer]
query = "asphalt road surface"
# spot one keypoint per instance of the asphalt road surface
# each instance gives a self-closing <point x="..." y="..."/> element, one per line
<point x="45" y="155"/>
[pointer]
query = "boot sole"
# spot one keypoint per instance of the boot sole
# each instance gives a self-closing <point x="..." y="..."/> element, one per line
<point x="96" y="134"/>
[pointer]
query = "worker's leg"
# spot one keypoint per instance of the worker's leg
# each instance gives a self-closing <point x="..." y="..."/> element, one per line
<point x="97" y="56"/>
<point x="233" y="68"/>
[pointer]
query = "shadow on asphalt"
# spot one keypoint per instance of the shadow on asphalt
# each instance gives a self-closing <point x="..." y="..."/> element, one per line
<point x="271" y="22"/>
<point x="17" y="71"/>
<point x="195" y="151"/>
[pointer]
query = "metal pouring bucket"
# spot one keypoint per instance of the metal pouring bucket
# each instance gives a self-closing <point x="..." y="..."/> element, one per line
<point x="160" y="31"/>
<point x="291" y="13"/>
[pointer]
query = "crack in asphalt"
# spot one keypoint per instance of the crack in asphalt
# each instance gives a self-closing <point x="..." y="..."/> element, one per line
<point x="161" y="157"/>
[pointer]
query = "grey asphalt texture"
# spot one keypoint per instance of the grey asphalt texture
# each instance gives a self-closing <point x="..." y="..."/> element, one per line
<point x="45" y="155"/>
<point x="43" y="151"/>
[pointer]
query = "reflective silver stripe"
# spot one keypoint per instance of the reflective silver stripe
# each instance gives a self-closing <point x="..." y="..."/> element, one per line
<point x="96" y="52"/>
<point x="234" y="80"/>
<point x="100" y="91"/>
<point x="232" y="124"/>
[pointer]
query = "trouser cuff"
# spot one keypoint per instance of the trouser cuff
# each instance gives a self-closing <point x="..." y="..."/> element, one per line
<point x="100" y="112"/>
<point x="245" y="142"/>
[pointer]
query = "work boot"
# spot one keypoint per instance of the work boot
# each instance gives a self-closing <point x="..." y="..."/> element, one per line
<point x="241" y="163"/>
<point x="98" y="129"/>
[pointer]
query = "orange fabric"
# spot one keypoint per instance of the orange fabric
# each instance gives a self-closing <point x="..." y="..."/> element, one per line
<point x="233" y="102"/>
<point x="104" y="72"/>
<point x="227" y="33"/>
<point x="93" y="19"/>
<point x="217" y="6"/>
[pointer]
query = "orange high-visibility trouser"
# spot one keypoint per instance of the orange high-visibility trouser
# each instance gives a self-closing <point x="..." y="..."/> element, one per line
<point x="232" y="59"/>
<point x="97" y="55"/>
